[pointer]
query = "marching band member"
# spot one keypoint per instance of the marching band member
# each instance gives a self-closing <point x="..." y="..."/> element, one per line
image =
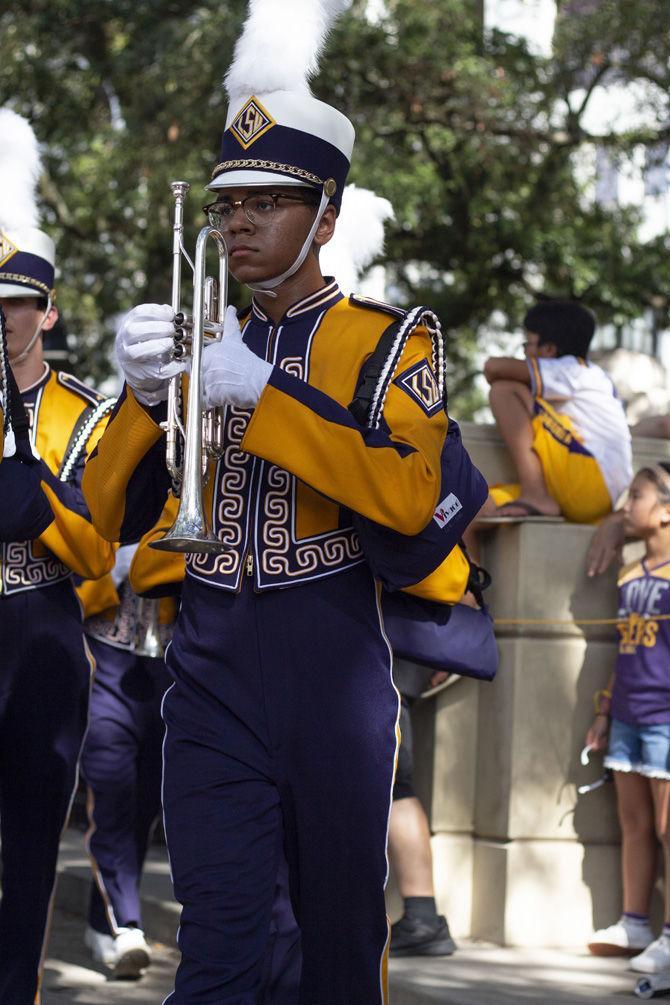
<point x="121" y="760"/>
<point x="46" y="665"/>
<point x="24" y="508"/>
<point x="282" y="720"/>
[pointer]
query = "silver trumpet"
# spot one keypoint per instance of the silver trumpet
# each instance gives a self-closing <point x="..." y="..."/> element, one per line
<point x="192" y="440"/>
<point x="147" y="638"/>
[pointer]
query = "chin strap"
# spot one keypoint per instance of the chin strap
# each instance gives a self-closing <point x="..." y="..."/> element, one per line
<point x="268" y="286"/>
<point x="38" y="331"/>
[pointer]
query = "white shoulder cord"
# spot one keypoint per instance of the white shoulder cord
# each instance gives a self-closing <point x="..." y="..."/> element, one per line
<point x="416" y="317"/>
<point x="79" y="445"/>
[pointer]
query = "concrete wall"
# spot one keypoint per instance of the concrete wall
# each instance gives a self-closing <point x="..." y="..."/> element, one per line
<point x="519" y="858"/>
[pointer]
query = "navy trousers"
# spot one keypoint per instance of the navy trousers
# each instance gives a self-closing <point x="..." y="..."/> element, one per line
<point x="280" y="744"/>
<point x="44" y="687"/>
<point x="122" y="765"/>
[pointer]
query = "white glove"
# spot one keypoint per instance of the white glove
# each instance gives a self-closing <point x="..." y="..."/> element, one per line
<point x="231" y="373"/>
<point x="144" y="344"/>
<point x="124" y="557"/>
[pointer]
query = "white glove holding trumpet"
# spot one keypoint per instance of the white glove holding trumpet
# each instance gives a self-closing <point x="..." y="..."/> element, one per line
<point x="231" y="373"/>
<point x="144" y="344"/>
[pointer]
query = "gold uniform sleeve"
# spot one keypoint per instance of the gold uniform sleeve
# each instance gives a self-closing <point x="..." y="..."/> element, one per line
<point x="391" y="475"/>
<point x="123" y="490"/>
<point x="72" y="536"/>
<point x="151" y="569"/>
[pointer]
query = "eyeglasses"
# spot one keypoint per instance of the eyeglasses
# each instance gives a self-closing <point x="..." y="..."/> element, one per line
<point x="259" y="209"/>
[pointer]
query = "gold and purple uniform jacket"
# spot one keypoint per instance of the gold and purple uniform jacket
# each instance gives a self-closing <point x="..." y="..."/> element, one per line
<point x="295" y="467"/>
<point x="70" y="544"/>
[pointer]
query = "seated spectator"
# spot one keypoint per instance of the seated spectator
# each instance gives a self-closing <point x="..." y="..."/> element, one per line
<point x="561" y="421"/>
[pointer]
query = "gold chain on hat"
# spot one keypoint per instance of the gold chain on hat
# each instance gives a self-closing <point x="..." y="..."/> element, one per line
<point x="298" y="172"/>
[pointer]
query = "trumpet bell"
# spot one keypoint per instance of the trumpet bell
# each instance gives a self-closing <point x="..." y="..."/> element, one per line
<point x="147" y="640"/>
<point x="190" y="536"/>
<point x="189" y="544"/>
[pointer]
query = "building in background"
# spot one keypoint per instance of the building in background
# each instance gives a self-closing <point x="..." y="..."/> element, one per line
<point x="640" y="179"/>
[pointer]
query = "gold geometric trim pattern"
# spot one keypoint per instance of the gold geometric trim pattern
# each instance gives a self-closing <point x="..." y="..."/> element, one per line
<point x="297" y="172"/>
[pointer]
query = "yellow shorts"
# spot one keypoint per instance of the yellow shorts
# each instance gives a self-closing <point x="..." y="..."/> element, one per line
<point x="572" y="475"/>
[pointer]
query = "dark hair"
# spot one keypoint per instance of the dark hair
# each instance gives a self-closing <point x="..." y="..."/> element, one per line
<point x="653" y="475"/>
<point x="565" y="323"/>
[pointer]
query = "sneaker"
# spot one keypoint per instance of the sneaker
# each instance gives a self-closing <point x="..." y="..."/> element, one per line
<point x="418" y="937"/>
<point x="133" y="955"/>
<point x="102" y="946"/>
<point x="655" y="957"/>
<point x="626" y="938"/>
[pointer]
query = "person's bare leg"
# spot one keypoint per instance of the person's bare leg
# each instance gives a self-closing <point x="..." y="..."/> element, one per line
<point x="409" y="848"/>
<point x="635" y="808"/>
<point x="654" y="426"/>
<point x="512" y="406"/>
<point x="421" y="931"/>
<point x="660" y="789"/>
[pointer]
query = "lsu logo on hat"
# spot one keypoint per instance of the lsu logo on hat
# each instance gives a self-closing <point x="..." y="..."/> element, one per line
<point x="7" y="249"/>
<point x="420" y="384"/>
<point x="251" y="123"/>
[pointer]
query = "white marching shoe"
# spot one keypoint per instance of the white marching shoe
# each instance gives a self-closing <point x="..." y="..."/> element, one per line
<point x="133" y="954"/>
<point x="102" y="946"/>
<point x="626" y="938"/>
<point x="655" y="959"/>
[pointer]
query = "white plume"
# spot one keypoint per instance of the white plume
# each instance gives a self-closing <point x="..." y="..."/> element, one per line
<point x="280" y="45"/>
<point x="20" y="169"/>
<point x="358" y="238"/>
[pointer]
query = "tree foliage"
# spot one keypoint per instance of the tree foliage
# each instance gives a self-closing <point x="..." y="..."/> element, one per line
<point x="473" y="137"/>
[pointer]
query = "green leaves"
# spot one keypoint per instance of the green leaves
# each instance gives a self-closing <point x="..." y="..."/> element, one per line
<point x="475" y="140"/>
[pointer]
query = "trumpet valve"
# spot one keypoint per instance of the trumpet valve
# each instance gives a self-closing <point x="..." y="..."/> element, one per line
<point x="213" y="432"/>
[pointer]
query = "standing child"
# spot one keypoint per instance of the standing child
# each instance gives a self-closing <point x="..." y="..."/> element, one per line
<point x="638" y="701"/>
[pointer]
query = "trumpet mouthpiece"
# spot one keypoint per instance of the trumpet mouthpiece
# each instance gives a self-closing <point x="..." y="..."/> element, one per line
<point x="179" y="187"/>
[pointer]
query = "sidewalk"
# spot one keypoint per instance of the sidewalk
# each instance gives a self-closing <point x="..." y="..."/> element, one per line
<point x="478" y="974"/>
<point x="160" y="914"/>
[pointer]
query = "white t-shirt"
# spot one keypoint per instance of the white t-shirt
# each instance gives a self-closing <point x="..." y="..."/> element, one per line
<point x="584" y="392"/>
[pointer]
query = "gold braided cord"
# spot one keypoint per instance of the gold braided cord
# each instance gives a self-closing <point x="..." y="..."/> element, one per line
<point x="17" y="277"/>
<point x="297" y="172"/>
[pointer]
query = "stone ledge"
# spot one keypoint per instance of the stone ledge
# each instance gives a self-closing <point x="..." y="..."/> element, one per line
<point x="489" y="453"/>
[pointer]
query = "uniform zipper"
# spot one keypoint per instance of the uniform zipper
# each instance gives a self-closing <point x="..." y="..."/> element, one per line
<point x="253" y="488"/>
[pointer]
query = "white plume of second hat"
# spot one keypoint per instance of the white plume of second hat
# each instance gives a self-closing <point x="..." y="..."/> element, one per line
<point x="358" y="238"/>
<point x="27" y="254"/>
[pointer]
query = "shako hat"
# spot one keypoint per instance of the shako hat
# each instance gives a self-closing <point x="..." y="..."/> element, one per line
<point x="27" y="254"/>
<point x="276" y="130"/>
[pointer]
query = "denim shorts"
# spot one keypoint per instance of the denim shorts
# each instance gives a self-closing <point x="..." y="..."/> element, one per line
<point x="643" y="749"/>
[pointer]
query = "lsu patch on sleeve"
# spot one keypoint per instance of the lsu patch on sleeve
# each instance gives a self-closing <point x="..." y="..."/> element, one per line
<point x="420" y="384"/>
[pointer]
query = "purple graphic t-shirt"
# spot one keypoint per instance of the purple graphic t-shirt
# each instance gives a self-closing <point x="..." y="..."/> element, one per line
<point x="641" y="693"/>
